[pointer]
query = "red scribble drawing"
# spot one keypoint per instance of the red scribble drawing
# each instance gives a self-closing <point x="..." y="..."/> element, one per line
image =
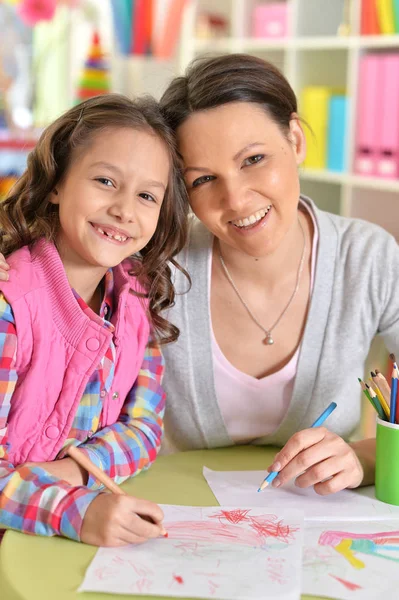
<point x="276" y="570"/>
<point x="212" y="587"/>
<point x="268" y="527"/>
<point x="374" y="544"/>
<point x="140" y="569"/>
<point x="117" y="560"/>
<point x="143" y="585"/>
<point x="103" y="573"/>
<point x="348" y="584"/>
<point x="232" y="516"/>
<point x="228" y="529"/>
<point x="178" y="578"/>
<point x="190" y="549"/>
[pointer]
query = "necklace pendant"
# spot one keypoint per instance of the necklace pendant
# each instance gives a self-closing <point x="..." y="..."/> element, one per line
<point x="268" y="340"/>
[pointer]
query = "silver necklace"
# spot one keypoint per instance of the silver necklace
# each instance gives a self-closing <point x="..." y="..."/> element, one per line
<point x="268" y="332"/>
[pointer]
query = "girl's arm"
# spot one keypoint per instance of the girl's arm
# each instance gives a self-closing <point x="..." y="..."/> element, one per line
<point x="132" y="443"/>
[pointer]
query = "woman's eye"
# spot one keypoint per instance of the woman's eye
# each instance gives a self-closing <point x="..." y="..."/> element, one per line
<point x="251" y="160"/>
<point x="201" y="180"/>
<point x="147" y="197"/>
<point x="105" y="181"/>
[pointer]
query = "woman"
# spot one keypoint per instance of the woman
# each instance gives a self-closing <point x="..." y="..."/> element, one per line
<point x="285" y="298"/>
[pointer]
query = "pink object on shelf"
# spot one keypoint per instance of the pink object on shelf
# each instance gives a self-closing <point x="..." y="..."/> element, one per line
<point x="270" y="20"/>
<point x="388" y="140"/>
<point x="367" y="130"/>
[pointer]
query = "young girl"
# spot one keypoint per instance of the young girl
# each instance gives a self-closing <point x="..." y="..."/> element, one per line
<point x="79" y="319"/>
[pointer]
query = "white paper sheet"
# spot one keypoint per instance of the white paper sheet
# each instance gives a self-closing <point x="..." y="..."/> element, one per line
<point x="218" y="552"/>
<point x="240" y="488"/>
<point x="352" y="560"/>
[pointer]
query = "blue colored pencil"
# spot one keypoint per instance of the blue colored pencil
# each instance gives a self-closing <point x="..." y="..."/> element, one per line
<point x="271" y="476"/>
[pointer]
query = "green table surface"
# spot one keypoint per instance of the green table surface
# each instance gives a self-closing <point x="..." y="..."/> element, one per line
<point x="39" y="568"/>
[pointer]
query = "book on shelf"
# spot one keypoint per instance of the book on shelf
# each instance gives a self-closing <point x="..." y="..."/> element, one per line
<point x="370" y="81"/>
<point x="388" y="130"/>
<point x="336" y="133"/>
<point x="369" y="19"/>
<point x="385" y="16"/>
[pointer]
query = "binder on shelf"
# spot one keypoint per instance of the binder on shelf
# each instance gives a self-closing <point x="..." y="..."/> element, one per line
<point x="138" y="27"/>
<point x="388" y="129"/>
<point x="337" y="133"/>
<point x="166" y="42"/>
<point x="367" y="111"/>
<point x="396" y="15"/>
<point x="315" y="101"/>
<point x="385" y="16"/>
<point x="369" y="19"/>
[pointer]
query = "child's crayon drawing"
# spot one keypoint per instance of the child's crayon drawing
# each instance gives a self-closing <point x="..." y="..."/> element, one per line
<point x="352" y="560"/>
<point x="225" y="553"/>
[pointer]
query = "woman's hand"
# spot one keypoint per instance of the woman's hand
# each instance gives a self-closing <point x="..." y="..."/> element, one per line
<point x="113" y="520"/>
<point x="316" y="457"/>
<point x="4" y="268"/>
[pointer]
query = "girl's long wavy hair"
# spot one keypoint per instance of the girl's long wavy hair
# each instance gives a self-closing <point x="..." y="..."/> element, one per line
<point x="27" y="214"/>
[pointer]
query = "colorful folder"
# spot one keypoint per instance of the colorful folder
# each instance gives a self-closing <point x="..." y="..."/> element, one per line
<point x="367" y="115"/>
<point x="385" y="16"/>
<point x="315" y="104"/>
<point x="369" y="19"/>
<point x="337" y="133"/>
<point x="388" y="115"/>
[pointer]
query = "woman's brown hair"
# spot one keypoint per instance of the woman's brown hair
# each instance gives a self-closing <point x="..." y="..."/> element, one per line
<point x="212" y="82"/>
<point x="27" y="214"/>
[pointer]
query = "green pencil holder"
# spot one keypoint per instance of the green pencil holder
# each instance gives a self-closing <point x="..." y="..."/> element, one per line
<point x="386" y="464"/>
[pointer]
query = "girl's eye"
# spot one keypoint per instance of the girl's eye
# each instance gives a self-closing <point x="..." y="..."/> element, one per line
<point x="201" y="180"/>
<point x="147" y="197"/>
<point x="105" y="181"/>
<point x="251" y="160"/>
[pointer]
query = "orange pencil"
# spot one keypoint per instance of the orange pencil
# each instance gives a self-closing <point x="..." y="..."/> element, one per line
<point x="85" y="462"/>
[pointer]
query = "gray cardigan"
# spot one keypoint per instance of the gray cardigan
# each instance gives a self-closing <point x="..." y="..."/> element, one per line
<point x="355" y="296"/>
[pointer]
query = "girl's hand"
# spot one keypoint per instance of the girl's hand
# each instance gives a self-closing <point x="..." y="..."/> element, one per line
<point x="316" y="457"/>
<point x="4" y="267"/>
<point x="113" y="520"/>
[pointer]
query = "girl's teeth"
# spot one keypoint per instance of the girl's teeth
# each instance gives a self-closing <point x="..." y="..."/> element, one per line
<point x="116" y="237"/>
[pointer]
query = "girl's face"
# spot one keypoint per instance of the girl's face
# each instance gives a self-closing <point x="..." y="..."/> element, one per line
<point x="111" y="197"/>
<point x="241" y="175"/>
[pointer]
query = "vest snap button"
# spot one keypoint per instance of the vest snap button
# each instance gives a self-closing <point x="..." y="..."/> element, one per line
<point x="52" y="432"/>
<point x="103" y="393"/>
<point x="115" y="395"/>
<point x="93" y="344"/>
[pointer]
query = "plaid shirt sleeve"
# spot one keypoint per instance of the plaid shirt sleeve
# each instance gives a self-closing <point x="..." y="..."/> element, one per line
<point x="132" y="443"/>
<point x="31" y="500"/>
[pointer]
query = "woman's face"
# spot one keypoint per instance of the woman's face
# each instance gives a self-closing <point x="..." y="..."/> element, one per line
<point x="241" y="173"/>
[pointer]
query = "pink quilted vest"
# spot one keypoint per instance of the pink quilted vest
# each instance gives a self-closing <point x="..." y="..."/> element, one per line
<point x="59" y="347"/>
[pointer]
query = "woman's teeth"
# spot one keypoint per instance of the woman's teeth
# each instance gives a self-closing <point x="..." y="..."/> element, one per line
<point x="252" y="218"/>
<point x="117" y="236"/>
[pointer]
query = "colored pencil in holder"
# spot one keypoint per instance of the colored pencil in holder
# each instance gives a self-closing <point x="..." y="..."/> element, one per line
<point x="385" y="404"/>
<point x="385" y="407"/>
<point x="376" y="405"/>
<point x="394" y="392"/>
<point x="382" y="383"/>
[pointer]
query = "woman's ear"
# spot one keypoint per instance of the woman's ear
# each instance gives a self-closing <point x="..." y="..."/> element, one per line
<point x="298" y="139"/>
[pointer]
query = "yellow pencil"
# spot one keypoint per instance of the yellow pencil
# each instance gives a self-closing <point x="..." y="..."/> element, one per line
<point x="383" y="385"/>
<point x="374" y="393"/>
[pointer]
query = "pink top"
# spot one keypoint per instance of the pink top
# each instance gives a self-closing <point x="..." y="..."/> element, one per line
<point x="266" y="399"/>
